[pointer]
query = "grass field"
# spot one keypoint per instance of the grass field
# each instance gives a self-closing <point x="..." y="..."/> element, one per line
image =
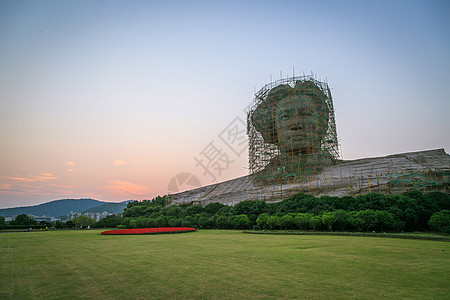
<point x="219" y="264"/>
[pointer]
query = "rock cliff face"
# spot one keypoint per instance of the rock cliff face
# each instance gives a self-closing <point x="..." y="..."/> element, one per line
<point x="393" y="174"/>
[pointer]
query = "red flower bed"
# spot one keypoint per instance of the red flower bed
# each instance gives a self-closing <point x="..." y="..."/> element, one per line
<point x="150" y="230"/>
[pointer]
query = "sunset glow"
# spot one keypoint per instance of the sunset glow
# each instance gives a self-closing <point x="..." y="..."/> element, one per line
<point x="112" y="100"/>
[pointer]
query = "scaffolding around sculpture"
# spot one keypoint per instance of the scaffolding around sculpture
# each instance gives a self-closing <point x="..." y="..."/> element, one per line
<point x="293" y="148"/>
<point x="292" y="131"/>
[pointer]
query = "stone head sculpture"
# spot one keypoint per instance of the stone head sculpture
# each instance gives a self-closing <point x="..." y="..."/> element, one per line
<point x="295" y="120"/>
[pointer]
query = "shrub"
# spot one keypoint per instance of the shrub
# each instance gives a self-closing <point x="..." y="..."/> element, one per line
<point x="23" y="219"/>
<point x="274" y="222"/>
<point x="148" y="231"/>
<point x="328" y="219"/>
<point x="221" y="222"/>
<point x="108" y="222"/>
<point x="287" y="221"/>
<point x="314" y="222"/>
<point x="256" y="227"/>
<point x="83" y="221"/>
<point x="301" y="221"/>
<point x="241" y="222"/>
<point x="440" y="221"/>
<point x="262" y="221"/>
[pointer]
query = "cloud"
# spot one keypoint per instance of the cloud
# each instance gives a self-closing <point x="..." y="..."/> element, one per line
<point x="5" y="186"/>
<point x="27" y="189"/>
<point x="70" y="163"/>
<point x="62" y="186"/>
<point x="120" y="162"/>
<point x="69" y="170"/>
<point x="125" y="187"/>
<point x="33" y="178"/>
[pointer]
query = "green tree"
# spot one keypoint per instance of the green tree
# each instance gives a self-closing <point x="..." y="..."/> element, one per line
<point x="174" y="222"/>
<point x="241" y="222"/>
<point x="287" y="221"/>
<point x="205" y="222"/>
<point x="108" y="222"/>
<point x="340" y="219"/>
<point x="406" y="210"/>
<point x="58" y="224"/>
<point x="23" y="219"/>
<point x="356" y="221"/>
<point x="440" y="221"/>
<point x="249" y="207"/>
<point x="141" y="222"/>
<point x="441" y="200"/>
<point x="133" y="223"/>
<point x="384" y="220"/>
<point x="301" y="221"/>
<point x="161" y="222"/>
<point x="172" y="211"/>
<point x="372" y="201"/>
<point x="192" y="210"/>
<point x="2" y="220"/>
<point x="83" y="221"/>
<point x="213" y="208"/>
<point x="138" y="210"/>
<point x="274" y="222"/>
<point x="328" y="219"/>
<point x="314" y="222"/>
<point x="222" y="222"/>
<point x="369" y="217"/>
<point x="187" y="221"/>
<point x="262" y="220"/>
<point x="297" y="203"/>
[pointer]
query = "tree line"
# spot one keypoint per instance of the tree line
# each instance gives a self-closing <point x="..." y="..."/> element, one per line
<point x="24" y="221"/>
<point x="410" y="211"/>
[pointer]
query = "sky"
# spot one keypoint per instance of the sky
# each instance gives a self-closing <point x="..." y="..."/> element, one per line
<point x="118" y="100"/>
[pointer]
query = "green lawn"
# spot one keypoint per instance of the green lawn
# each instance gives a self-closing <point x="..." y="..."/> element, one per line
<point x="219" y="264"/>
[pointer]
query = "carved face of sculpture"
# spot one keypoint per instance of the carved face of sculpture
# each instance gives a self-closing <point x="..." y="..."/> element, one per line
<point x="294" y="119"/>
<point x="299" y="124"/>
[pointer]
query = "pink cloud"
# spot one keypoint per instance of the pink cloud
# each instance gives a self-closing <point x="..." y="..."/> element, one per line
<point x="33" y="178"/>
<point x="62" y="186"/>
<point x="125" y="188"/>
<point x="24" y="189"/>
<point x="120" y="162"/>
<point x="5" y="186"/>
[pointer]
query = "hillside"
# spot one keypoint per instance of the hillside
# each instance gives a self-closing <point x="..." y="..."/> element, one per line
<point x="54" y="208"/>
<point x="115" y="208"/>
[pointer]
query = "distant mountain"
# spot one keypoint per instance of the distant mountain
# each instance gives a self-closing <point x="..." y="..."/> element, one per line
<point x="115" y="208"/>
<point x="55" y="208"/>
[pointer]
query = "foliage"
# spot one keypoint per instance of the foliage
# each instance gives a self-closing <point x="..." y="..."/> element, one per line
<point x="58" y="224"/>
<point x="213" y="208"/>
<point x="241" y="222"/>
<point x="440" y="221"/>
<point x="23" y="219"/>
<point x="83" y="221"/>
<point x="249" y="207"/>
<point x="148" y="231"/>
<point x="410" y="211"/>
<point x="108" y="222"/>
